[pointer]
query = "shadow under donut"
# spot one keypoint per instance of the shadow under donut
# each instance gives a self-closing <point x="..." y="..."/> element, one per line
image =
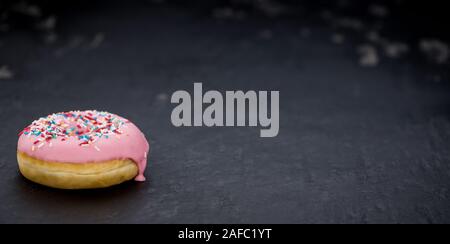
<point x="105" y="205"/>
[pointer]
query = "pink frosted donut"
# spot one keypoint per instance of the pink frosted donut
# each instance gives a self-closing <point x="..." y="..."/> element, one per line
<point x="82" y="149"/>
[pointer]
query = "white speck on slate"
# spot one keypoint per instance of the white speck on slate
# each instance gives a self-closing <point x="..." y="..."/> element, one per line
<point x="5" y="73"/>
<point x="368" y="55"/>
<point x="436" y="50"/>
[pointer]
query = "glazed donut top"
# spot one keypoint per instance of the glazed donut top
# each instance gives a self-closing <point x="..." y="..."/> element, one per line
<point x="85" y="137"/>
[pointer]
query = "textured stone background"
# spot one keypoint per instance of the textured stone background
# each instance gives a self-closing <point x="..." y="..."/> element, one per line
<point x="356" y="144"/>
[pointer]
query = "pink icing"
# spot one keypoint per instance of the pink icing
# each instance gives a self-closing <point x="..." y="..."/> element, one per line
<point x="123" y="141"/>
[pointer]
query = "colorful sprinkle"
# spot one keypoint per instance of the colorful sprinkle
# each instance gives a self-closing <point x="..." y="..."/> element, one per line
<point x="86" y="126"/>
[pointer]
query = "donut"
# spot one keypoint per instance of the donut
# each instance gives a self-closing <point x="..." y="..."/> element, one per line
<point x="82" y="150"/>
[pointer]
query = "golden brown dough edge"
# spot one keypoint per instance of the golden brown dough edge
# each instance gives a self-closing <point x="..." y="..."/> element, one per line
<point x="76" y="175"/>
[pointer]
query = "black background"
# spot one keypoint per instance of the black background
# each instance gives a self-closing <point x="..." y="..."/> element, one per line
<point x="356" y="144"/>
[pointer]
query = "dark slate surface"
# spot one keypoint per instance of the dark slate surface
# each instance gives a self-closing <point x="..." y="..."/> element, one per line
<point x="356" y="145"/>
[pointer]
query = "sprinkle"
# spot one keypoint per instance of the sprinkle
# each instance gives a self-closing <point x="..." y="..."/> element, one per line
<point x="96" y="148"/>
<point x="86" y="126"/>
<point x="84" y="143"/>
<point x="32" y="148"/>
<point x="145" y="154"/>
